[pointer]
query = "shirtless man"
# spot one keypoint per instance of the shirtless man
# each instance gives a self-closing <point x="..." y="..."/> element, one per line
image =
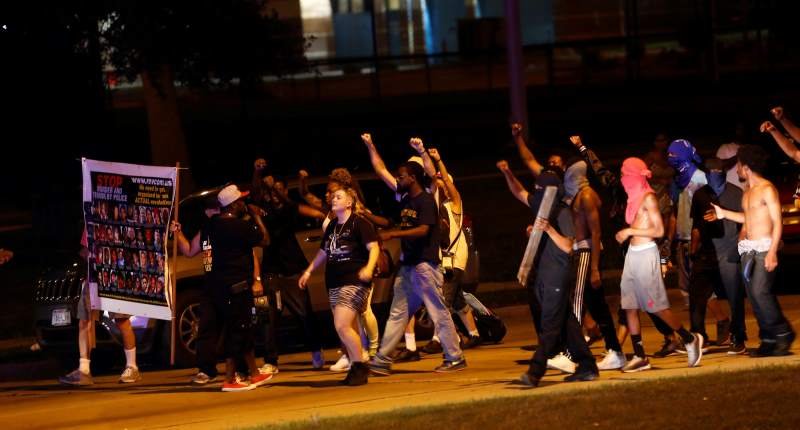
<point x="585" y="205"/>
<point x="759" y="250"/>
<point x="641" y="286"/>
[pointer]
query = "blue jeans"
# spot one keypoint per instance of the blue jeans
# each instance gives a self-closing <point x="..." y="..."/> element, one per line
<point x="415" y="286"/>
<point x="730" y="274"/>
<point x="758" y="284"/>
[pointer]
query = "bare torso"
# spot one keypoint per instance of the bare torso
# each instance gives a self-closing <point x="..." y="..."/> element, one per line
<point x="584" y="203"/>
<point x="643" y="221"/>
<point x="757" y="221"/>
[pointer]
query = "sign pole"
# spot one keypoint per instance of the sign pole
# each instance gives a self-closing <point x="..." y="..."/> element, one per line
<point x="173" y="279"/>
<point x="536" y="236"/>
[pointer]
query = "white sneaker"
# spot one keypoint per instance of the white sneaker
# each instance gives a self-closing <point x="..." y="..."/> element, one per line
<point x="130" y="374"/>
<point x="343" y="365"/>
<point x="268" y="368"/>
<point x="612" y="360"/>
<point x="202" y="379"/>
<point x="694" y="350"/>
<point x="561" y="362"/>
<point x="637" y="364"/>
<point x="317" y="360"/>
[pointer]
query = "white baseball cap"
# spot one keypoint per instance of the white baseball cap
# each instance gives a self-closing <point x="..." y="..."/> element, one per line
<point x="230" y="194"/>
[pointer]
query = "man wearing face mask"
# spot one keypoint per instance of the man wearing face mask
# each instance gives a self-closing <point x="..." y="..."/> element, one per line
<point x="729" y="195"/>
<point x="705" y="274"/>
<point x="556" y="321"/>
<point x="683" y="157"/>
<point x="585" y="205"/>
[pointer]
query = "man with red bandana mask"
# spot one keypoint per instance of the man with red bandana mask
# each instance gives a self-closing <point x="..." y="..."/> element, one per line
<point x="641" y="286"/>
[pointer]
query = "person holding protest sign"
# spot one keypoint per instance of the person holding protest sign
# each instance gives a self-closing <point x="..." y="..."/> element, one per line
<point x="86" y="340"/>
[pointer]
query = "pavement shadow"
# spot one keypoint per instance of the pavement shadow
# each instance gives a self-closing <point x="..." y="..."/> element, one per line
<point x="528" y="347"/>
<point x="309" y="384"/>
<point x="523" y="362"/>
<point x="520" y="386"/>
<point x="97" y="387"/>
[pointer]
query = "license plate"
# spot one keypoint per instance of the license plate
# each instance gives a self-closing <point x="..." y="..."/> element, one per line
<point x="61" y="317"/>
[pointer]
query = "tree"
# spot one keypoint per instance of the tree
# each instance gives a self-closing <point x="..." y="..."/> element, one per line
<point x="198" y="43"/>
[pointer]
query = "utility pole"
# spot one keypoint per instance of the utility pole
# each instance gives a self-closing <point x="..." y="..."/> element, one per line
<point x="516" y="73"/>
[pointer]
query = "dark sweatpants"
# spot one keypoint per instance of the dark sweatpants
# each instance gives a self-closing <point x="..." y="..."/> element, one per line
<point x="594" y="299"/>
<point x="558" y="324"/>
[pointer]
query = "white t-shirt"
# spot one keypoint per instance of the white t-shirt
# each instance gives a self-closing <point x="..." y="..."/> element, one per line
<point x="459" y="250"/>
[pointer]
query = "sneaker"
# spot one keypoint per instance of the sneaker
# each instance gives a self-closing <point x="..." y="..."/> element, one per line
<point x="583" y="374"/>
<point x="670" y="347"/>
<point x="766" y="349"/>
<point x="404" y="355"/>
<point x="637" y="364"/>
<point x="129" y="375"/>
<point x="694" y="350"/>
<point x="268" y="368"/>
<point x="358" y="375"/>
<point x="783" y="343"/>
<point x="380" y="367"/>
<point x="529" y="380"/>
<point x="448" y="366"/>
<point x="612" y="360"/>
<point x="433" y="347"/>
<point x="723" y="332"/>
<point x="317" y="360"/>
<point x="561" y="362"/>
<point x="237" y="385"/>
<point x="260" y="379"/>
<point x="202" y="379"/>
<point x="470" y="342"/>
<point x="77" y="378"/>
<point x="342" y="365"/>
<point x="737" y="348"/>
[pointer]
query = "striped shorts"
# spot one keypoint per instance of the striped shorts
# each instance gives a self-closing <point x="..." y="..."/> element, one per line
<point x="354" y="297"/>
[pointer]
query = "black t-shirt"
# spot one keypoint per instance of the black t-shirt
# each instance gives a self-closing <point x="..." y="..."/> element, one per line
<point x="283" y="256"/>
<point x="417" y="211"/>
<point x="731" y="199"/>
<point x="346" y="247"/>
<point x="551" y="261"/>
<point x="701" y="203"/>
<point x="227" y="245"/>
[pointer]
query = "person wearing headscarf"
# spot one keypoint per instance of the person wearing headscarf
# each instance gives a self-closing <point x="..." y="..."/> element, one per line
<point x="610" y="180"/>
<point x="642" y="286"/>
<point x="683" y="157"/>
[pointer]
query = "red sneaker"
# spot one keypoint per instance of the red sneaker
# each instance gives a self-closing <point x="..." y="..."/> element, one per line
<point x="237" y="385"/>
<point x="260" y="379"/>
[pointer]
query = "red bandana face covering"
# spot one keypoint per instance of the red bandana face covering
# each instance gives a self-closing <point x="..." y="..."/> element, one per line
<point x="634" y="180"/>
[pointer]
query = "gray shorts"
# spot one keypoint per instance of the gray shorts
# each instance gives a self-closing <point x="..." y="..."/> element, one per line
<point x="352" y="296"/>
<point x="641" y="286"/>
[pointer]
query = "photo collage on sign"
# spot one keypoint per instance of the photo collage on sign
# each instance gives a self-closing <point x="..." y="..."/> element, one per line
<point x="127" y="249"/>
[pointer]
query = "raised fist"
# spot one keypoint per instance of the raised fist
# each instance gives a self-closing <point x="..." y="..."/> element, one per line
<point x="502" y="165"/>
<point x="516" y="129"/>
<point x="767" y="127"/>
<point x="576" y="141"/>
<point x="777" y="112"/>
<point x="417" y="144"/>
<point x="434" y="153"/>
<point x="366" y="138"/>
<point x="303" y="174"/>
